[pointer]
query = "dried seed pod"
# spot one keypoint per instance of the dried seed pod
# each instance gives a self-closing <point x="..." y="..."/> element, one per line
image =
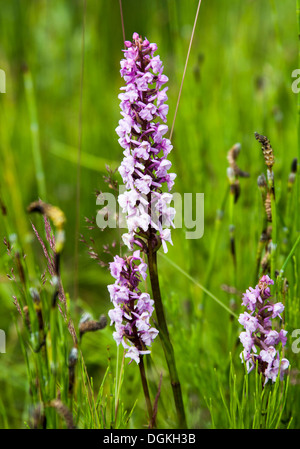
<point x="85" y="317"/>
<point x="264" y="236"/>
<point x="20" y="268"/>
<point x="230" y="175"/>
<point x="262" y="185"/>
<point x="269" y="232"/>
<point x="234" y="183"/>
<point x="291" y="180"/>
<point x="37" y="306"/>
<point x="294" y="165"/>
<point x="89" y="325"/>
<point x="267" y="150"/>
<point x="73" y="358"/>
<point x="292" y="175"/>
<point x="261" y="181"/>
<point x="268" y="207"/>
<point x="38" y="418"/>
<point x="26" y="317"/>
<point x="237" y="190"/>
<point x="232" y="157"/>
<point x="64" y="412"/>
<point x="3" y="208"/>
<point x="52" y="212"/>
<point x="265" y="263"/>
<point x="233" y="154"/>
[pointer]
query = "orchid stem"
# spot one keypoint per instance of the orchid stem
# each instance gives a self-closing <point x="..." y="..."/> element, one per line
<point x="165" y="337"/>
<point x="145" y="388"/>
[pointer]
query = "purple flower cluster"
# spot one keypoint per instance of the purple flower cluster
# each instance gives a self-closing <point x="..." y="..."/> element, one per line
<point x="259" y="338"/>
<point x="141" y="131"/>
<point x="132" y="308"/>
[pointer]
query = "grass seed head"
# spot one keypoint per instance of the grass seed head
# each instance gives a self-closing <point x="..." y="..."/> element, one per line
<point x="267" y="150"/>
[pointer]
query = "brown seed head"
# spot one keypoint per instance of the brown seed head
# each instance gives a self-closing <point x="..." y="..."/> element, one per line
<point x="64" y="412"/>
<point x="268" y="207"/>
<point x="92" y="325"/>
<point x="232" y="156"/>
<point x="267" y="150"/>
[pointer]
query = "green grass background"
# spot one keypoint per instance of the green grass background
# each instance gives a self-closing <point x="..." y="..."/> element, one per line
<point x="238" y="81"/>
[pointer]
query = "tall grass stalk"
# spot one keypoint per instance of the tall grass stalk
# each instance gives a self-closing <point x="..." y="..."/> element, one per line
<point x="274" y="228"/>
<point x="78" y="178"/>
<point x="14" y="196"/>
<point x="204" y="289"/>
<point x="35" y="134"/>
<point x="122" y="20"/>
<point x="262" y="243"/>
<point x="232" y="201"/>
<point x="289" y="257"/>
<point x="185" y="68"/>
<point x="232" y="236"/>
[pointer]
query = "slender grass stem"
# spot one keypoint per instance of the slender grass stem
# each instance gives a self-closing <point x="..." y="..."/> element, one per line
<point x="290" y="255"/>
<point x="185" y="68"/>
<point x="164" y="336"/>
<point x="53" y="339"/>
<point x="14" y="191"/>
<point x="89" y="391"/>
<point x="233" y="255"/>
<point x="274" y="223"/>
<point x="232" y="235"/>
<point x="77" y="223"/>
<point x="118" y="383"/>
<point x="122" y="20"/>
<point x="274" y="237"/>
<point x="276" y="24"/>
<point x="35" y="135"/>
<point x="211" y="295"/>
<point x="261" y="245"/>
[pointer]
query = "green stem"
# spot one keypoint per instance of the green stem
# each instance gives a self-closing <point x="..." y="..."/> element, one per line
<point x="35" y="137"/>
<point x="207" y="292"/>
<point x="260" y="247"/>
<point x="119" y="381"/>
<point x="14" y="192"/>
<point x="145" y="388"/>
<point x="78" y="175"/>
<point x="274" y="226"/>
<point x="164" y="336"/>
<point x="233" y="254"/>
<point x="290" y="255"/>
<point x="232" y="235"/>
